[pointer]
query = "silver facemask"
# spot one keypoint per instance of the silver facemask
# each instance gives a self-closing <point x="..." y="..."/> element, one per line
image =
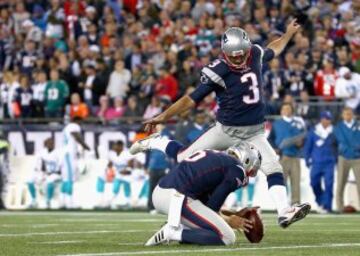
<point x="235" y="45"/>
<point x="248" y="155"/>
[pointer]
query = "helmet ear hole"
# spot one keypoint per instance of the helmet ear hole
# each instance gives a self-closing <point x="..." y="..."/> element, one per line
<point x="247" y="161"/>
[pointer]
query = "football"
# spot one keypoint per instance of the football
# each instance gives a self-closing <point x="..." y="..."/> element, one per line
<point x="251" y="213"/>
<point x="257" y="232"/>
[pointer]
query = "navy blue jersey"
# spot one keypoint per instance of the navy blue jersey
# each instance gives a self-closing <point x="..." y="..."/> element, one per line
<point x="207" y="175"/>
<point x="238" y="92"/>
<point x="23" y="96"/>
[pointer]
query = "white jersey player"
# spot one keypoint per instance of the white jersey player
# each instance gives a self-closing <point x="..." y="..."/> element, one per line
<point x="71" y="138"/>
<point x="118" y="171"/>
<point x="46" y="172"/>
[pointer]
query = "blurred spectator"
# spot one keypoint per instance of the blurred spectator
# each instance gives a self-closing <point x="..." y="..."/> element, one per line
<point x="274" y="83"/>
<point x="196" y="128"/>
<point x="78" y="108"/>
<point x="119" y="81"/>
<point x="19" y="16"/>
<point x="56" y="94"/>
<point x="188" y="77"/>
<point x="100" y="82"/>
<point x="39" y="93"/>
<point x="39" y="17"/>
<point x="133" y="109"/>
<point x="27" y="57"/>
<point x="287" y="136"/>
<point x="347" y="134"/>
<point x="23" y="97"/>
<point x="117" y="110"/>
<point x="274" y="79"/>
<point x="8" y="89"/>
<point x="355" y="52"/>
<point x="153" y="109"/>
<point x="297" y="78"/>
<point x="182" y="126"/>
<point x="304" y="107"/>
<point x="33" y="33"/>
<point x="343" y="58"/>
<point x="167" y="85"/>
<point x="348" y="88"/>
<point x="135" y="58"/>
<point x="315" y="60"/>
<point x="320" y="157"/>
<point x="87" y="83"/>
<point x="324" y="83"/>
<point x="103" y="111"/>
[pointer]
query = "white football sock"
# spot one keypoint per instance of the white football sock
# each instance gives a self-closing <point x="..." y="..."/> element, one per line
<point x="159" y="143"/>
<point x="68" y="201"/>
<point x="175" y="234"/>
<point x="62" y="200"/>
<point x="279" y="195"/>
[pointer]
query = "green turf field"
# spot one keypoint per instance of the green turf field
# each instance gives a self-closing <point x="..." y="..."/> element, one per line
<point x="123" y="233"/>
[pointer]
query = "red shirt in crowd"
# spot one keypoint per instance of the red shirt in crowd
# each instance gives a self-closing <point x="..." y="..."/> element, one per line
<point x="325" y="83"/>
<point x="167" y="87"/>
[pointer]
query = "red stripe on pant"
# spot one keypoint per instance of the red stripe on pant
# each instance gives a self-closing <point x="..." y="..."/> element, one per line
<point x="201" y="218"/>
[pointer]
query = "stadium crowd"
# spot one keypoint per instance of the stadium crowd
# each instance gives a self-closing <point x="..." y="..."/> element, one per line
<point x="112" y="59"/>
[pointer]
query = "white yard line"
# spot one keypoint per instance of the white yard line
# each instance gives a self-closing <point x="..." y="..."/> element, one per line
<point x="29" y="225"/>
<point x="132" y="243"/>
<point x="74" y="214"/>
<point x="61" y="222"/>
<point x="75" y="232"/>
<point x="112" y="220"/>
<point x="210" y="250"/>
<point x="59" y="242"/>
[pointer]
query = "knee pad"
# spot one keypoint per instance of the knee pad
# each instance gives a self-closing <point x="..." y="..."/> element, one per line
<point x="271" y="167"/>
<point x="229" y="237"/>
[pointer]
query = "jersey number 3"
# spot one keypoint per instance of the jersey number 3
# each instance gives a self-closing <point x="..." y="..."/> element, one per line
<point x="252" y="79"/>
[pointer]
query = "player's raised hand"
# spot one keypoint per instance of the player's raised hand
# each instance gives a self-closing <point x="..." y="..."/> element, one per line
<point x="150" y="124"/>
<point x="292" y="27"/>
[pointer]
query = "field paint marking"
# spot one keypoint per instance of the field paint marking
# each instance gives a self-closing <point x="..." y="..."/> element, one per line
<point x="60" y="222"/>
<point x="44" y="225"/>
<point x="133" y="243"/>
<point x="115" y="221"/>
<point x="75" y="214"/>
<point x="76" y="232"/>
<point x="212" y="250"/>
<point x="59" y="242"/>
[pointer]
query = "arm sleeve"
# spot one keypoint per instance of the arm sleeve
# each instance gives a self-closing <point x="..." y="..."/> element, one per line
<point x="201" y="92"/>
<point x="268" y="55"/>
<point x="234" y="178"/>
<point x="220" y="194"/>
<point x="308" y="146"/>
<point x="340" y="137"/>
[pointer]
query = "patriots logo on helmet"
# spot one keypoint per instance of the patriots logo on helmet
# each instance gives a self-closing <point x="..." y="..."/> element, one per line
<point x="245" y="36"/>
<point x="225" y="39"/>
